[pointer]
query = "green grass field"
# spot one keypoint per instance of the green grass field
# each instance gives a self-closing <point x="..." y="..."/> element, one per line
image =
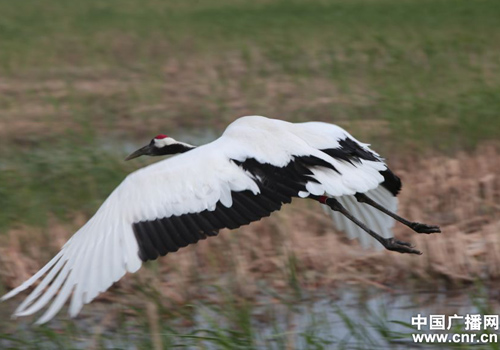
<point x="427" y="71"/>
<point x="83" y="83"/>
<point x="402" y="75"/>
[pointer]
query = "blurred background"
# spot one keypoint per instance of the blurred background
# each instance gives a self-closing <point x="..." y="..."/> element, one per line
<point x="82" y="84"/>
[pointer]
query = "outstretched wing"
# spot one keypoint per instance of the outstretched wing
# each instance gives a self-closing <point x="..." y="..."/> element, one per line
<point x="359" y="170"/>
<point x="154" y="211"/>
<point x="256" y="166"/>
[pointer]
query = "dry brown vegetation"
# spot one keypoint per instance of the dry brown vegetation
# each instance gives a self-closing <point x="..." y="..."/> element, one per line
<point x="208" y="92"/>
<point x="461" y="194"/>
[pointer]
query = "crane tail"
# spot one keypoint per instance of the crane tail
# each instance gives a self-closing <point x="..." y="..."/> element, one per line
<point x="370" y="216"/>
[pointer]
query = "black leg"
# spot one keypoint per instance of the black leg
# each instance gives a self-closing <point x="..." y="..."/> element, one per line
<point x="388" y="243"/>
<point x="415" y="226"/>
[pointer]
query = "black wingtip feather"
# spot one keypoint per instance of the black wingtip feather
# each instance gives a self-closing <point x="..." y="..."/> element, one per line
<point x="391" y="181"/>
<point x="146" y="247"/>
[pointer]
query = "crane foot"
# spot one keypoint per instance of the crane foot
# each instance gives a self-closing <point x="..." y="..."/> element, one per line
<point x="400" y="246"/>
<point x="424" y="228"/>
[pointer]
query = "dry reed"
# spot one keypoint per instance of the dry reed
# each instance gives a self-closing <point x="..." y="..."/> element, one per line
<point x="462" y="194"/>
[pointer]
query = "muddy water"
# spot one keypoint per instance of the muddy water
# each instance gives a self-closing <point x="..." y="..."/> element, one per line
<point x="328" y="318"/>
<point x="370" y="309"/>
<point x="371" y="312"/>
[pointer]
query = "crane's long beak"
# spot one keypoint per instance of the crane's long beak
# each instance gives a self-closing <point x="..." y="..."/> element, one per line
<point x="144" y="151"/>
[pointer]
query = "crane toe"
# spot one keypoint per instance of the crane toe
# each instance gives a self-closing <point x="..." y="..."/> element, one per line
<point x="400" y="246"/>
<point x="424" y="228"/>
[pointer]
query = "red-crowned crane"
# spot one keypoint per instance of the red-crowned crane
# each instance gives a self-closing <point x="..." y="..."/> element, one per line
<point x="256" y="166"/>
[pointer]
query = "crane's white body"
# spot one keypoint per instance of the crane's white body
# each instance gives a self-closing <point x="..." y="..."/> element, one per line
<point x="105" y="248"/>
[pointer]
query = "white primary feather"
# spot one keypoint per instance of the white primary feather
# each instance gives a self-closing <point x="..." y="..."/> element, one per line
<point x="105" y="248"/>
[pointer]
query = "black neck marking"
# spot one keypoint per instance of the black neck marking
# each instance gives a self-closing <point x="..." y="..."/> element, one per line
<point x="171" y="149"/>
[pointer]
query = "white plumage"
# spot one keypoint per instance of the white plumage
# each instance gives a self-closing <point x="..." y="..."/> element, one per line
<point x="207" y="179"/>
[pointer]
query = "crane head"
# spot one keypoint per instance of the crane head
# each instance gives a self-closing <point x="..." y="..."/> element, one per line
<point x="161" y="145"/>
